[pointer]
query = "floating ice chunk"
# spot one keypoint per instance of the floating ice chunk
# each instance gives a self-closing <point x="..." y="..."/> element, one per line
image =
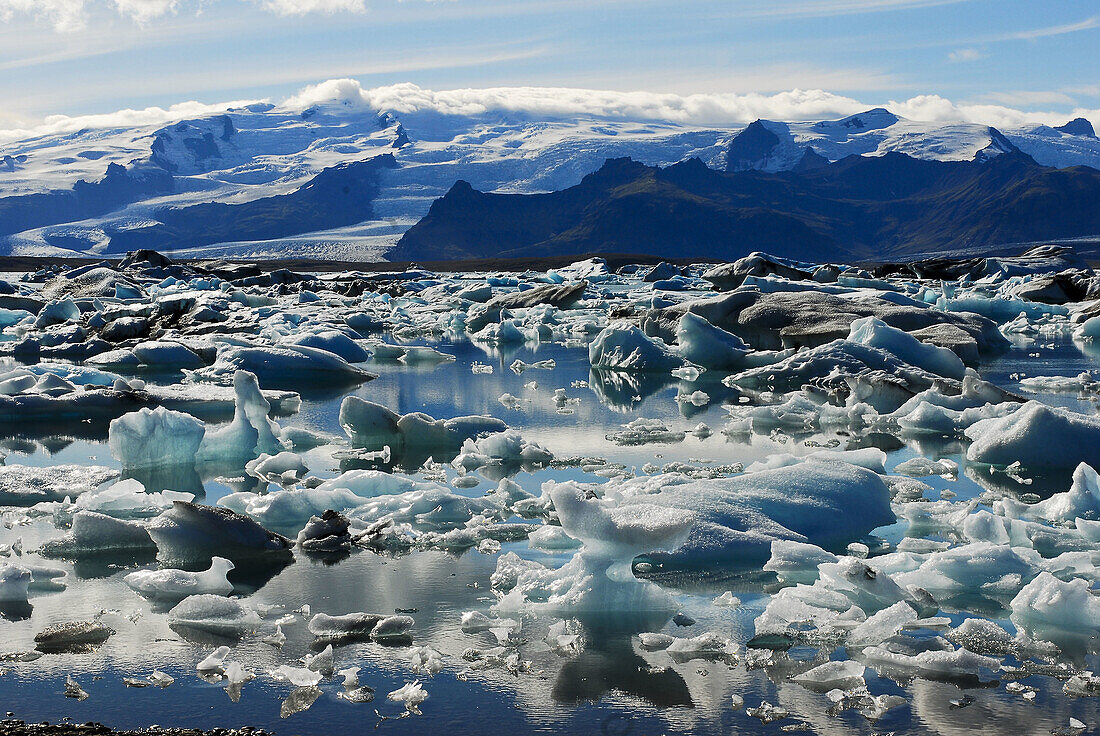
<point x="643" y="431"/>
<point x="215" y="661"/>
<point x="45" y="578"/>
<point x="624" y="347"/>
<point x="705" y="646"/>
<point x="214" y="614"/>
<point x="920" y="467"/>
<point x="702" y="343"/>
<point x="392" y="627"/>
<point x="796" y="562"/>
<point x="727" y="600"/>
<point x="1054" y="384"/>
<point x="599" y="577"/>
<point x="551" y="538"/>
<point x="93" y="533"/>
<point x="128" y="498"/>
<point x="188" y="532"/>
<point x="736" y="519"/>
<point x="322" y="662"/>
<point x="983" y="636"/>
<point x="1055" y="610"/>
<point x="276" y="639"/>
<point x="882" y="625"/>
<point x="873" y="332"/>
<point x="298" y="676"/>
<point x="329" y="532"/>
<point x="284" y="366"/>
<point x="424" y="355"/>
<point x="165" y="354"/>
<point x="371" y="424"/>
<point x="518" y="366"/>
<point x="1082" y="500"/>
<point x="474" y="622"/>
<point x="845" y="675"/>
<point x="979" y="567"/>
<point x="57" y="312"/>
<point x="350" y="677"/>
<point x="333" y="341"/>
<point x="15" y="580"/>
<point x="285" y="468"/>
<point x="871" y="458"/>
<point x="236" y="676"/>
<point x="412" y="695"/>
<point x="768" y="713"/>
<point x="656" y="641"/>
<point x="73" y="689"/>
<point x="501" y="447"/>
<point x="932" y="664"/>
<point x="300" y="699"/>
<point x="72" y="635"/>
<point x="161" y="679"/>
<point x="1088" y="330"/>
<point x="349" y="625"/>
<point x="363" y="419"/>
<point x="159" y="437"/>
<point x="425" y="660"/>
<point x="180" y="583"/>
<point x="1036" y="436"/>
<point x="251" y="433"/>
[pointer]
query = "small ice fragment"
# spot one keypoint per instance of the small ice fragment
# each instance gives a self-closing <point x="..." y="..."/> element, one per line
<point x="214" y="661"/>
<point x="298" y="676"/>
<point x="831" y="675"/>
<point x="768" y="713"/>
<point x="321" y="662"/>
<point x="426" y="660"/>
<point x="277" y="639"/>
<point x="727" y="599"/>
<point x="392" y="627"/>
<point x="73" y="689"/>
<point x="161" y="679"/>
<point x="412" y="695"/>
<point x="351" y="677"/>
<point x="655" y="641"/>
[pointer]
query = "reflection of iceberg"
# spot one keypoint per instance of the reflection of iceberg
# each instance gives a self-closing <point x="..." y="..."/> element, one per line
<point x="615" y="666"/>
<point x="621" y="391"/>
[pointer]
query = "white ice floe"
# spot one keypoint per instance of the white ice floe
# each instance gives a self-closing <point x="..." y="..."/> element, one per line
<point x="214" y="614"/>
<point x="1036" y="436"/>
<point x="170" y="583"/>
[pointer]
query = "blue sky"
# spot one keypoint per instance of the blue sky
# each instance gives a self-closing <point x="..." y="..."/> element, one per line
<point x="92" y="56"/>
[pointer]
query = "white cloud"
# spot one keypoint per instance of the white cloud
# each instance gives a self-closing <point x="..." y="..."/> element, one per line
<point x="143" y="11"/>
<point x="1084" y="25"/>
<point x="72" y="15"/>
<point x="63" y="15"/>
<point x="301" y="7"/>
<point x="960" y="55"/>
<point x="550" y="102"/>
<point x="703" y="109"/>
<point x="54" y="124"/>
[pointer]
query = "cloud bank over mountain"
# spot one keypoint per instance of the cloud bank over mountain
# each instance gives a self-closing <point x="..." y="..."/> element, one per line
<point x="549" y="102"/>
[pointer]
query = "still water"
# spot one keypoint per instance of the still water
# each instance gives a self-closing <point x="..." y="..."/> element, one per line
<point x="613" y="686"/>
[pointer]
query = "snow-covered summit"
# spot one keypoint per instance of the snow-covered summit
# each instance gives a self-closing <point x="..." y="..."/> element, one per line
<point x="517" y="141"/>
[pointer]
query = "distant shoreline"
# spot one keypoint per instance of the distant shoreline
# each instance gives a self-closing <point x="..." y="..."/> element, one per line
<point x="614" y="261"/>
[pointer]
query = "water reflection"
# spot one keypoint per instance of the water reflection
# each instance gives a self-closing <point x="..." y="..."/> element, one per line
<point x="650" y="691"/>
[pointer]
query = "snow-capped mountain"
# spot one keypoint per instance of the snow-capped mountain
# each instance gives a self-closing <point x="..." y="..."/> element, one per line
<point x="775" y="146"/>
<point x="336" y="178"/>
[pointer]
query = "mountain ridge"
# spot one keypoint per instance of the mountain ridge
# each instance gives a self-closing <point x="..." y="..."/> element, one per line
<point x="857" y="208"/>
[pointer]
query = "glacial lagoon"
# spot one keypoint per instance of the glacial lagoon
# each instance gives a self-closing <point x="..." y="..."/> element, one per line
<point x="438" y="529"/>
